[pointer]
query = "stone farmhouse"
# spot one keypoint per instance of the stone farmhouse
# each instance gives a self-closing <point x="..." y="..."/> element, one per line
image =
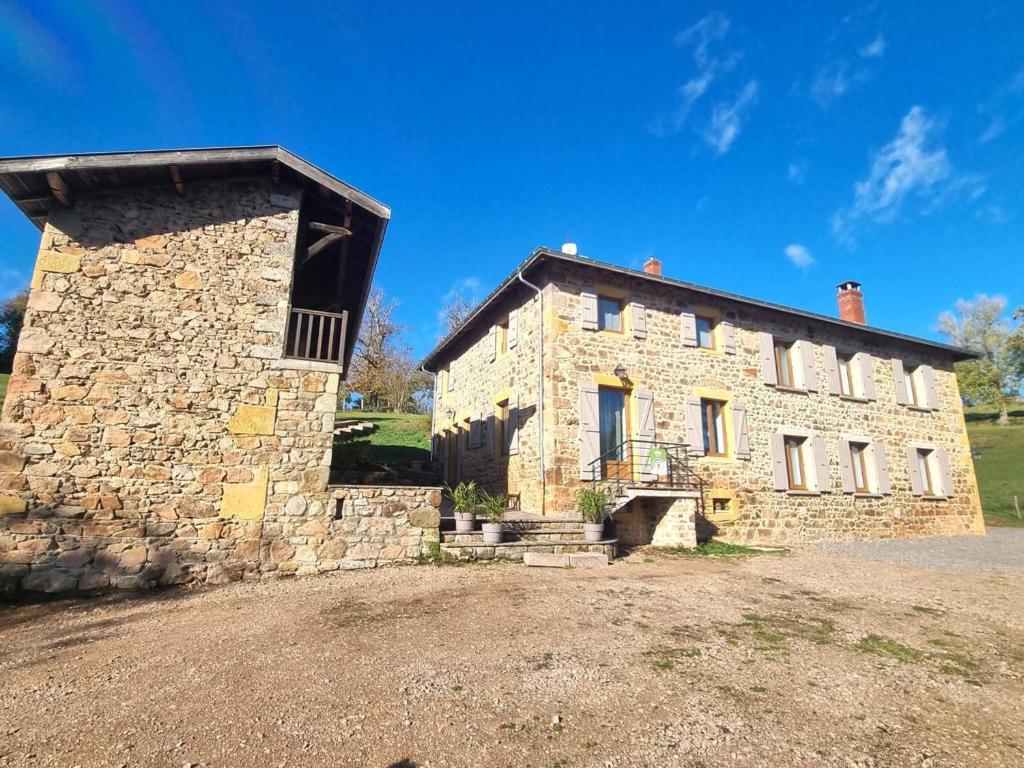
<point x="170" y="414"/>
<point x="700" y="411"/>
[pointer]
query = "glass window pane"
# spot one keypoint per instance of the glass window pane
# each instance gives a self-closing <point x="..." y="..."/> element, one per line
<point x="705" y="427"/>
<point x="793" y="459"/>
<point x="784" y="366"/>
<point x="609" y="314"/>
<point x="612" y="415"/>
<point x="719" y="428"/>
<point x="704" y="337"/>
<point x="857" y="457"/>
<point x="844" y="376"/>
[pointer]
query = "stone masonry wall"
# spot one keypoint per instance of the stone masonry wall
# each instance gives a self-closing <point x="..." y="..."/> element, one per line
<point x="152" y="432"/>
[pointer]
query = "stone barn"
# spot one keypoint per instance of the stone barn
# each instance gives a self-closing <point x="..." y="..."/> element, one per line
<point x="170" y="414"/>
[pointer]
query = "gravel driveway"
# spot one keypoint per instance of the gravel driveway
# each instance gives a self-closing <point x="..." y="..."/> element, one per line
<point x="1001" y="550"/>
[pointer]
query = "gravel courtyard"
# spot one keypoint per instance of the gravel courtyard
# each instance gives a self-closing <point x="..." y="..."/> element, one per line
<point x="809" y="658"/>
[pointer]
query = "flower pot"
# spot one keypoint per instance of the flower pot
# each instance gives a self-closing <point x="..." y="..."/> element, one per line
<point x="593" y="531"/>
<point x="464" y="522"/>
<point x="492" y="533"/>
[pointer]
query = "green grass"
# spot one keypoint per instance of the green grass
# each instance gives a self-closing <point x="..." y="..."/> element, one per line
<point x="3" y="387"/>
<point x="714" y="548"/>
<point x="880" y="646"/>
<point x="999" y="470"/>
<point x="400" y="437"/>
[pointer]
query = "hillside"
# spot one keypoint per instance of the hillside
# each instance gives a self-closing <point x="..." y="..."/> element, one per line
<point x="999" y="463"/>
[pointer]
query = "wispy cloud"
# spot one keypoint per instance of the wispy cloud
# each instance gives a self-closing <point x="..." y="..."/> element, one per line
<point x="795" y="173"/>
<point x="875" y="49"/>
<point x="1003" y="110"/>
<point x="832" y="82"/>
<point x="727" y="119"/>
<point x="799" y="255"/>
<point x="710" y="29"/>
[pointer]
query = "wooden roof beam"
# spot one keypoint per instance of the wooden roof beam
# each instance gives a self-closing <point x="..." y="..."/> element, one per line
<point x="179" y="185"/>
<point x="60" y="189"/>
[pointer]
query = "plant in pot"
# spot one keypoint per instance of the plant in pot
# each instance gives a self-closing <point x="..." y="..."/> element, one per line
<point x="592" y="505"/>
<point x="493" y="508"/>
<point x="466" y="499"/>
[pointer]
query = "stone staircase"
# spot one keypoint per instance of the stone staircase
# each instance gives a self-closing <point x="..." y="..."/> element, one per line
<point x="525" y="537"/>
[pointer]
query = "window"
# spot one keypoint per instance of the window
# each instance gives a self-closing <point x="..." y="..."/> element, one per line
<point x="501" y="427"/>
<point x="924" y="467"/>
<point x="720" y="507"/>
<point x="858" y="461"/>
<point x="705" y="332"/>
<point x="846" y="375"/>
<point x="501" y="338"/>
<point x="914" y="388"/>
<point x="784" y="365"/>
<point x="609" y="314"/>
<point x="712" y="417"/>
<point x="794" y="449"/>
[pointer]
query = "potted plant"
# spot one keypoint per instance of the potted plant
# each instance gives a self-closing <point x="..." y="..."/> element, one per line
<point x="466" y="499"/>
<point x="493" y="508"/>
<point x="592" y="505"/>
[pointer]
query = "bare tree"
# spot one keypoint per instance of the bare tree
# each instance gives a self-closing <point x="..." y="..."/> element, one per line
<point x="455" y="312"/>
<point x="12" y="315"/>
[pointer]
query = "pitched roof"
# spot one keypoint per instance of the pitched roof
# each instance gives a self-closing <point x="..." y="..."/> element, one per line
<point x="542" y="255"/>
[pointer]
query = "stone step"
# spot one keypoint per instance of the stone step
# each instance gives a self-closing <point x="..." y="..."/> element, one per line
<point x="516" y="550"/>
<point x="477" y="537"/>
<point x="567" y="560"/>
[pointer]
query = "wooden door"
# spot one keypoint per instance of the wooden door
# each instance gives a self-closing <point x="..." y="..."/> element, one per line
<point x="613" y="420"/>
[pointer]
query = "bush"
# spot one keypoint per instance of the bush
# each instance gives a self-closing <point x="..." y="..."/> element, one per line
<point x="592" y="504"/>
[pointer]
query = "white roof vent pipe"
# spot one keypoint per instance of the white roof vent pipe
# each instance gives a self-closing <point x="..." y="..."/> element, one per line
<point x="569" y="249"/>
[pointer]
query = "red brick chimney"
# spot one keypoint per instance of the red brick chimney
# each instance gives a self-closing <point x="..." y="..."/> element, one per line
<point x="652" y="266"/>
<point x="851" y="302"/>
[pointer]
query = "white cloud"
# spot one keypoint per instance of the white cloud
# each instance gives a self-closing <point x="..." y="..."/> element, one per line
<point x="727" y="119"/>
<point x="795" y="173"/>
<point x="875" y="49"/>
<point x="831" y="83"/>
<point x="710" y="29"/>
<point x="995" y="129"/>
<point x="799" y="255"/>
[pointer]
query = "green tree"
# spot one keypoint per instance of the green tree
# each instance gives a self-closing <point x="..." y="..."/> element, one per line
<point x="12" y="315"/>
<point x="981" y="326"/>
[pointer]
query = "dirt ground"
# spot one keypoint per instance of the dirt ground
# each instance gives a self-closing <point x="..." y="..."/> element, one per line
<point x="809" y="658"/>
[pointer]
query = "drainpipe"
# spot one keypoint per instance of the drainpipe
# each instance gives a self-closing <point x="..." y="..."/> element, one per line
<point x="540" y="385"/>
<point x="433" y="407"/>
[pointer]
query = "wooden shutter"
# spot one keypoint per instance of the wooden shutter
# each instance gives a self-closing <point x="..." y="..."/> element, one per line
<point x="451" y="375"/>
<point x="881" y="468"/>
<point x="928" y="377"/>
<point x="806" y="353"/>
<point x="512" y="428"/>
<point x="645" y="432"/>
<point x="435" y="447"/>
<point x="899" y="378"/>
<point x="694" y="433"/>
<point x="916" y="486"/>
<point x="824" y="477"/>
<point x="588" y="299"/>
<point x="741" y="435"/>
<point x="487" y="430"/>
<point x="728" y="337"/>
<point x="590" y="432"/>
<point x="638" y="319"/>
<point x="867" y="375"/>
<point x="779" y="474"/>
<point x="689" y="329"/>
<point x="768" y="373"/>
<point x="492" y="343"/>
<point x="512" y="336"/>
<point x="832" y="370"/>
<point x="846" y="467"/>
<point x="474" y="433"/>
<point x="945" y="476"/>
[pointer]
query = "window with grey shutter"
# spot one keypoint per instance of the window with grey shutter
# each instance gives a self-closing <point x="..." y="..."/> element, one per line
<point x="492" y="343"/>
<point x="806" y="354"/>
<point x="899" y="378"/>
<point x="916" y="485"/>
<point x="741" y="434"/>
<point x="588" y="300"/>
<point x="832" y="369"/>
<point x="688" y="323"/>
<point x="867" y="375"/>
<point x="846" y="467"/>
<point x="945" y="476"/>
<point x="694" y="435"/>
<point x="638" y="316"/>
<point x="881" y="468"/>
<point x="590" y="432"/>
<point x="474" y="434"/>
<point x="728" y="337"/>
<point x="780" y="476"/>
<point x="645" y="432"/>
<point x="513" y="328"/>
<point x="513" y="426"/>
<point x="930" y="391"/>
<point x="824" y="477"/>
<point x="487" y="430"/>
<point x="768" y="373"/>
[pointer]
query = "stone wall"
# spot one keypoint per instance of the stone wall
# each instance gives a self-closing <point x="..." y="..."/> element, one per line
<point x="152" y="432"/>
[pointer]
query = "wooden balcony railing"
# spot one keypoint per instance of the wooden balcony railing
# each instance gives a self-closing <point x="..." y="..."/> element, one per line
<point x="314" y="335"/>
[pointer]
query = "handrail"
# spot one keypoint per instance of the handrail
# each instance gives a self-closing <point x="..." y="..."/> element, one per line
<point x="628" y="465"/>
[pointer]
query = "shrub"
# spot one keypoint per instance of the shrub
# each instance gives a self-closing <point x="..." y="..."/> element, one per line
<point x="465" y="497"/>
<point x="493" y="506"/>
<point x="592" y="504"/>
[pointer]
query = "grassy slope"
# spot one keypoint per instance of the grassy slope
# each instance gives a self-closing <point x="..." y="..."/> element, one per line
<point x="1000" y="469"/>
<point x="3" y="388"/>
<point x="400" y="437"/>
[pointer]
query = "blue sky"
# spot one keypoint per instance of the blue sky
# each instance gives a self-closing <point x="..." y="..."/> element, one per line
<point x="768" y="149"/>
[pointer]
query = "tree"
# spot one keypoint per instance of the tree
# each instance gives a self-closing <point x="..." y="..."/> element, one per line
<point x="12" y="316"/>
<point x="454" y="313"/>
<point x="995" y="377"/>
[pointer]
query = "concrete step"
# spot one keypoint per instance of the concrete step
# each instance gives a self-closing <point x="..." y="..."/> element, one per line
<point x="567" y="560"/>
<point x="516" y="550"/>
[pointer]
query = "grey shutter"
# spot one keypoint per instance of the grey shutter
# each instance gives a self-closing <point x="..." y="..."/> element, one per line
<point x="474" y="434"/>
<point x="492" y="343"/>
<point x="881" y="468"/>
<point x="807" y="362"/>
<point x="638" y="317"/>
<point x="779" y="473"/>
<point x="741" y="435"/>
<point x="867" y="375"/>
<point x="451" y="375"/>
<point x="916" y="486"/>
<point x="899" y="378"/>
<point x="487" y="430"/>
<point x="512" y="338"/>
<point x="768" y="372"/>
<point x="944" y="474"/>
<point x="928" y="377"/>
<point x="694" y="433"/>
<point x="824" y="477"/>
<point x="728" y="337"/>
<point x="689" y="329"/>
<point x="590" y="432"/>
<point x="512" y="428"/>
<point x="645" y="432"/>
<point x="846" y="467"/>
<point x="832" y="370"/>
<point x="588" y="299"/>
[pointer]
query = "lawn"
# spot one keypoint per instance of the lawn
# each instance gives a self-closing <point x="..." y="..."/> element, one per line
<point x="400" y="438"/>
<point x="3" y="387"/>
<point x="1000" y="468"/>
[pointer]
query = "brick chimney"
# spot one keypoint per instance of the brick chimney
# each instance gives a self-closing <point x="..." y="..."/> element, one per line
<point x="652" y="266"/>
<point x="851" y="302"/>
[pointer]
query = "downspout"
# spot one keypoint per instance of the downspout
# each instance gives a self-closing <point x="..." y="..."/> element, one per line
<point x="433" y="407"/>
<point x="540" y="386"/>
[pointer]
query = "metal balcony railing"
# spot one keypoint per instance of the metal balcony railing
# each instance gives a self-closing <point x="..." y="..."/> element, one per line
<point x="645" y="464"/>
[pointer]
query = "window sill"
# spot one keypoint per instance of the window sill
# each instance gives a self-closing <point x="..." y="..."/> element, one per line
<point x="794" y="390"/>
<point x="868" y="495"/>
<point x="933" y="498"/>
<point x="803" y="493"/>
<point x="920" y="408"/>
<point x="852" y="399"/>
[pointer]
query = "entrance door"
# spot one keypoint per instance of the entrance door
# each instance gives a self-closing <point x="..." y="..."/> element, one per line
<point x="613" y="419"/>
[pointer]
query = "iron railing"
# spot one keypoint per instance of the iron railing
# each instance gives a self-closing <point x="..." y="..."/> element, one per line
<point x="644" y="464"/>
<point x="315" y="335"/>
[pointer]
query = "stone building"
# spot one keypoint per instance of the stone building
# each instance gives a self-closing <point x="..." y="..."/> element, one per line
<point x="701" y="411"/>
<point x="170" y="414"/>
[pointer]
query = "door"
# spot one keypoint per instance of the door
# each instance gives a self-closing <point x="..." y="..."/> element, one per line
<point x="613" y="416"/>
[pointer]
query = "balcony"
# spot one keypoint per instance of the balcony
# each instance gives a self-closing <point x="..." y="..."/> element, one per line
<point x="315" y="335"/>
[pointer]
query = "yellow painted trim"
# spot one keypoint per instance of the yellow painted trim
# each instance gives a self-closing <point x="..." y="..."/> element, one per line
<point x="712" y="394"/>
<point x="608" y="380"/>
<point x="505" y="394"/>
<point x="722" y="493"/>
<point x="724" y="396"/>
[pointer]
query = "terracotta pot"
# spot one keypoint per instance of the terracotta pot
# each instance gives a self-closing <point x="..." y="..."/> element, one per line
<point x="593" y="531"/>
<point x="464" y="522"/>
<point x="492" y="533"/>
